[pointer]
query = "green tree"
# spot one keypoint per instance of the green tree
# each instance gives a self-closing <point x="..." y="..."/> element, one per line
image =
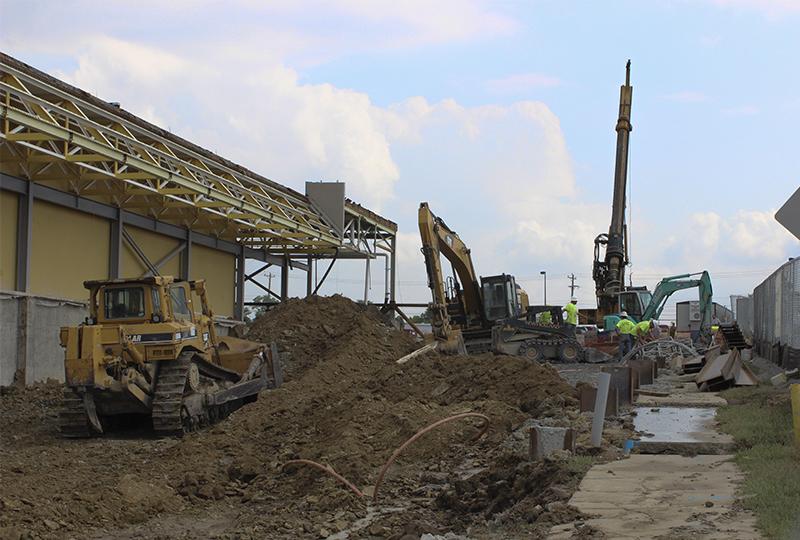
<point x="424" y="317"/>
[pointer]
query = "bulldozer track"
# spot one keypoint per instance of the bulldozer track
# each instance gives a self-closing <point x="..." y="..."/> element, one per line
<point x="168" y="397"/>
<point x="73" y="422"/>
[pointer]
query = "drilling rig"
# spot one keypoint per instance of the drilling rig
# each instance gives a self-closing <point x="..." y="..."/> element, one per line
<point x="611" y="250"/>
<point x="609" y="272"/>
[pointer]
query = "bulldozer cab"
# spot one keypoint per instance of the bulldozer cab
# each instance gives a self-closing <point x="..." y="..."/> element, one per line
<point x="155" y="300"/>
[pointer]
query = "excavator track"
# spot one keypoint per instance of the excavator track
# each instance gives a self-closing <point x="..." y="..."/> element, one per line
<point x="73" y="421"/>
<point x="558" y="343"/>
<point x="168" y="417"/>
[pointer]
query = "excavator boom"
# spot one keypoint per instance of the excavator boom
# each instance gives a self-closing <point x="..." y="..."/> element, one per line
<point x="669" y="285"/>
<point x="438" y="239"/>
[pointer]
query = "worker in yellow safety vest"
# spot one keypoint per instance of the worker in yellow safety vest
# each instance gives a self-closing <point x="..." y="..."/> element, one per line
<point x="626" y="329"/>
<point x="571" y="309"/>
<point x="644" y="330"/>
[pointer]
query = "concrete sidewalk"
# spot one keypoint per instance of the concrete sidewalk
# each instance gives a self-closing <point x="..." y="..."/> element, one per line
<point x="663" y="496"/>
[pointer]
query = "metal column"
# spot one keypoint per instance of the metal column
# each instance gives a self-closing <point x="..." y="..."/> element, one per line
<point x="238" y="310"/>
<point x="393" y="258"/>
<point x="285" y="278"/>
<point x="24" y="239"/>
<point x="310" y="277"/>
<point x="186" y="257"/>
<point x="366" y="281"/>
<point x="115" y="247"/>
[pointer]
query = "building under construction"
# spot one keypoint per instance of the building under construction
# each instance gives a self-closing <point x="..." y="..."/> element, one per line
<point x="91" y="191"/>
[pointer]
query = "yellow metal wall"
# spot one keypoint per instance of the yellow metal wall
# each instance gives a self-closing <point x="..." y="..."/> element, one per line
<point x="155" y="247"/>
<point x="68" y="247"/>
<point x="219" y="271"/>
<point x="8" y="239"/>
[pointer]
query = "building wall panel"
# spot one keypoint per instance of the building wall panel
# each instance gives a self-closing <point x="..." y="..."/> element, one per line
<point x="155" y="247"/>
<point x="8" y="239"/>
<point x="219" y="271"/>
<point x="68" y="247"/>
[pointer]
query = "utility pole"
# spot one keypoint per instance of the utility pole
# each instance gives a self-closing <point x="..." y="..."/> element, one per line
<point x="269" y="280"/>
<point x="572" y="285"/>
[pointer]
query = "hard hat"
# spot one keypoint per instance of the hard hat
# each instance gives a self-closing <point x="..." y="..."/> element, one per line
<point x="573" y="299"/>
<point x="623" y="314"/>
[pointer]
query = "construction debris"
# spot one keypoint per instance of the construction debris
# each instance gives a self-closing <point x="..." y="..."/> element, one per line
<point x="723" y="371"/>
<point x="345" y="405"/>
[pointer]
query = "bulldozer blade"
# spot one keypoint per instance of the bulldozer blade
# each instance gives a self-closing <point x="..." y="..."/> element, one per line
<point x="91" y="412"/>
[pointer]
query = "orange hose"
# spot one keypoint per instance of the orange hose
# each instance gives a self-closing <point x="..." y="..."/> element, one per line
<point x="326" y="469"/>
<point x="419" y="434"/>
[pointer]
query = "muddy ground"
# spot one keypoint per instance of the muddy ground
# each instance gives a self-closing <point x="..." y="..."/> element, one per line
<point x="345" y="403"/>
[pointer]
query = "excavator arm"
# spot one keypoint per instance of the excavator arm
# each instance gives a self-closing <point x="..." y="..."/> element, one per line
<point x="438" y="239"/>
<point x="667" y="286"/>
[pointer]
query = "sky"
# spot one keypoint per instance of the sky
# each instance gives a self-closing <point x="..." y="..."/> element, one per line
<point x="500" y="114"/>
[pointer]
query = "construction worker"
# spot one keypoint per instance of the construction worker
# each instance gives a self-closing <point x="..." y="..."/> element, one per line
<point x="625" y="329"/>
<point x="643" y="331"/>
<point x="571" y="310"/>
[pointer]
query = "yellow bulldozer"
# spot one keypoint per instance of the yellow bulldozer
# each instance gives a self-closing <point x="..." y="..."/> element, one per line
<point x="144" y="350"/>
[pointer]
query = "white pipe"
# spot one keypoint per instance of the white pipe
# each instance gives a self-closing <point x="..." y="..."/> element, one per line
<point x="603" y="382"/>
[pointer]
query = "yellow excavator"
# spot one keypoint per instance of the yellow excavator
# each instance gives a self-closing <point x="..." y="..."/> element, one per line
<point x="491" y="313"/>
<point x="144" y="350"/>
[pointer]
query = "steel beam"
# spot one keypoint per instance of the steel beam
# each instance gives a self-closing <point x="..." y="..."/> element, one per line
<point x="309" y="277"/>
<point x="153" y="270"/>
<point x="287" y="265"/>
<point x="179" y="249"/>
<point x="238" y="311"/>
<point x="393" y="259"/>
<point x="115" y="247"/>
<point x="24" y="240"/>
<point x="186" y="256"/>
<point x="88" y="206"/>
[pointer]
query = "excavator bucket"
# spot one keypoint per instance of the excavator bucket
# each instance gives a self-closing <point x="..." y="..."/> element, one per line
<point x="454" y="345"/>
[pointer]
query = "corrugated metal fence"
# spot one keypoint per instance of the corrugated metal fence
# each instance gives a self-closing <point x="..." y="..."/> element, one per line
<point x="771" y="316"/>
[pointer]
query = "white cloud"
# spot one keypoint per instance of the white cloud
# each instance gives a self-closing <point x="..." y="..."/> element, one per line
<point x="522" y="82"/>
<point x="770" y="8"/>
<point x="686" y="96"/>
<point x="304" y="33"/>
<point x="742" y="110"/>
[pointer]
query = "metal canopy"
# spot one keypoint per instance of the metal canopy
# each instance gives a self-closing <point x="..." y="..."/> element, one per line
<point x="60" y="136"/>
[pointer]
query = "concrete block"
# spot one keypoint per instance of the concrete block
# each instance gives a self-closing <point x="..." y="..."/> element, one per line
<point x="45" y="357"/>
<point x="545" y="440"/>
<point x="29" y="329"/>
<point x="9" y="335"/>
<point x="588" y="396"/>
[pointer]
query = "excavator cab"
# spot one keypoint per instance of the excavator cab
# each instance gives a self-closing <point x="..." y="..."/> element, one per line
<point x="501" y="297"/>
<point x="634" y="302"/>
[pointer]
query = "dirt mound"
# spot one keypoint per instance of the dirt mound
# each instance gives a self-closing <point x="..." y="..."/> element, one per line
<point x="347" y="404"/>
<point x="350" y="406"/>
<point x="306" y="330"/>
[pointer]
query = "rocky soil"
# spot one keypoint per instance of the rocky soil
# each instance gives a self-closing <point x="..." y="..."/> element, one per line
<point x="345" y="404"/>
